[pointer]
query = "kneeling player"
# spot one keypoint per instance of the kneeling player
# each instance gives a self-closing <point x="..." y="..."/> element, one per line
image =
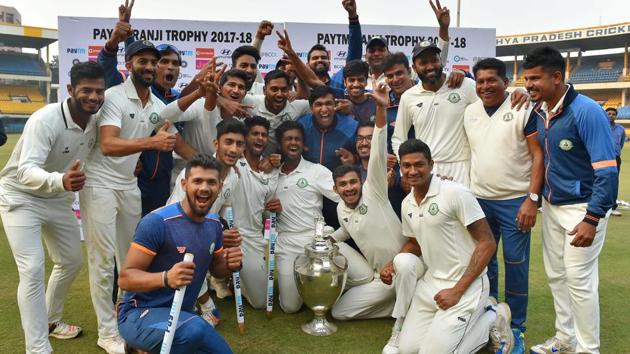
<point x="154" y="267"/>
<point x="450" y="312"/>
<point x="366" y="215"/>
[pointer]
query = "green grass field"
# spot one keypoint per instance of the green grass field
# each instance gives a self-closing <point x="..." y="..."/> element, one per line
<point x="282" y="334"/>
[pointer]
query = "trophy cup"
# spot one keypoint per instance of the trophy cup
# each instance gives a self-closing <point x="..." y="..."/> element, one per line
<point x="320" y="276"/>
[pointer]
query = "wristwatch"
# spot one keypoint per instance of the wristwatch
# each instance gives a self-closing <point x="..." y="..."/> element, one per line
<point x="534" y="197"/>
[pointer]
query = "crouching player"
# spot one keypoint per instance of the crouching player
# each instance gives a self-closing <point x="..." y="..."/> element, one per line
<point x="154" y="268"/>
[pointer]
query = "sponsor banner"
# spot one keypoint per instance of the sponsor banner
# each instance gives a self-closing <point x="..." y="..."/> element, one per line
<point x="81" y="39"/>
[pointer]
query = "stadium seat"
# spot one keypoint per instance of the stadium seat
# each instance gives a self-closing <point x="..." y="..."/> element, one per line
<point x="597" y="69"/>
<point x="21" y="64"/>
<point x="623" y="112"/>
<point x="16" y="107"/>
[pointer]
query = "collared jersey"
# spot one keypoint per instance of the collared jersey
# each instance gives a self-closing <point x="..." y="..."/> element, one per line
<point x="292" y="111"/>
<point x="166" y="234"/>
<point x="301" y="193"/>
<point x="437" y="118"/>
<point x="500" y="164"/>
<point x="50" y="144"/>
<point x="254" y="189"/>
<point x="123" y="109"/>
<point x="439" y="224"/>
<point x="373" y="224"/>
<point x="223" y="199"/>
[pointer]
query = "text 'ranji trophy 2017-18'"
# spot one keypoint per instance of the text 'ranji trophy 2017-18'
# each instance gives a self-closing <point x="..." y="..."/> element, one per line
<point x="320" y="276"/>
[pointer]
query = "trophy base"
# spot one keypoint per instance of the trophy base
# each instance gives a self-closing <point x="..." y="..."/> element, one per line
<point x="319" y="327"/>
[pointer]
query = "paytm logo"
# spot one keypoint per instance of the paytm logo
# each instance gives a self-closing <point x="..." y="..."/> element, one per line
<point x="186" y="53"/>
<point x="76" y="51"/>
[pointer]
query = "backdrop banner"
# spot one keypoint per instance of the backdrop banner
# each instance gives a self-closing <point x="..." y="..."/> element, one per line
<point x="81" y="39"/>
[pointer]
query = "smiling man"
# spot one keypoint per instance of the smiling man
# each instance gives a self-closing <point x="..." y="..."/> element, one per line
<point x="580" y="186"/>
<point x="443" y="222"/>
<point x="154" y="268"/>
<point x="506" y="176"/>
<point x="37" y="188"/>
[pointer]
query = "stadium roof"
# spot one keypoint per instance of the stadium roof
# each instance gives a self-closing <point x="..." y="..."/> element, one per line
<point x="578" y="39"/>
<point x="26" y="36"/>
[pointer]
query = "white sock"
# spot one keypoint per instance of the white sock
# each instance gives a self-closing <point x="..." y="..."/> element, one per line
<point x="208" y="306"/>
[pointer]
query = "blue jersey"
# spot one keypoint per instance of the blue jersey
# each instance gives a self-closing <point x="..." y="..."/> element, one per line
<point x="167" y="234"/>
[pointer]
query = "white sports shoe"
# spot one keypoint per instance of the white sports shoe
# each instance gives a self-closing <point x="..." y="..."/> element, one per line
<point x="112" y="345"/>
<point x="501" y="337"/>
<point x="553" y="345"/>
<point x="392" y="344"/>
<point x="616" y="213"/>
<point x="62" y="330"/>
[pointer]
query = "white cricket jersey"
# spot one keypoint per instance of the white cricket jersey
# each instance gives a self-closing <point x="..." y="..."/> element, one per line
<point x="439" y="224"/>
<point x="254" y="189"/>
<point x="500" y="166"/>
<point x="373" y="224"/>
<point x="437" y="118"/>
<point x="302" y="193"/>
<point x="50" y="143"/>
<point x="292" y="111"/>
<point x="123" y="109"/>
<point x="223" y="199"/>
<point x="200" y="128"/>
<point x="256" y="89"/>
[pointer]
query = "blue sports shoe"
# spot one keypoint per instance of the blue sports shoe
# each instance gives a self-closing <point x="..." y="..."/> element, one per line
<point x="519" y="342"/>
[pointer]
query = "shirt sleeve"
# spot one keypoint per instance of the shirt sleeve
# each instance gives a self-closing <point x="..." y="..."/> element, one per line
<point x="443" y="45"/>
<point x="402" y="125"/>
<point x="622" y="138"/>
<point x="149" y="235"/>
<point x="38" y="139"/>
<point x="324" y="184"/>
<point x="594" y="130"/>
<point x="355" y="41"/>
<point x="111" y="112"/>
<point x="530" y="124"/>
<point x="302" y="107"/>
<point x="376" y="180"/>
<point x="109" y="61"/>
<point x="407" y="230"/>
<point x="464" y="206"/>
<point x="341" y="234"/>
<point x="470" y="90"/>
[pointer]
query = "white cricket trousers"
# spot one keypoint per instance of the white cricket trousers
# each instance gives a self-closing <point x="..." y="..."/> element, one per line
<point x="573" y="275"/>
<point x="109" y="220"/>
<point x="460" y="329"/>
<point x="28" y="220"/>
<point x="368" y="297"/>
<point x="254" y="272"/>
<point x="288" y="248"/>
<point x="459" y="170"/>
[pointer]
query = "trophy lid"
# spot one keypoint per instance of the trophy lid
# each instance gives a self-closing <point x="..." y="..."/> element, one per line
<point x="320" y="244"/>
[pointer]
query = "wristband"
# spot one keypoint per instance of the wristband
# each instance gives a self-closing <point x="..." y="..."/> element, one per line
<point x="165" y="279"/>
<point x="354" y="18"/>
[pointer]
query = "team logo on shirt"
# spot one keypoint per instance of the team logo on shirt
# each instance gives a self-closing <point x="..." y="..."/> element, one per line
<point x="565" y="144"/>
<point x="154" y="118"/>
<point x="302" y="183"/>
<point x="227" y="193"/>
<point x="181" y="249"/>
<point x="363" y="209"/>
<point x="508" y="117"/>
<point x="91" y="143"/>
<point x="433" y="209"/>
<point x="132" y="115"/>
<point x="454" y="97"/>
<point x="66" y="150"/>
<point x="211" y="248"/>
<point x="419" y="105"/>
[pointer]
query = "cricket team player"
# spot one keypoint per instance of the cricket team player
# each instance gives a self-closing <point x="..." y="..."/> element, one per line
<point x="579" y="191"/>
<point x="37" y="188"/>
<point x="450" y="311"/>
<point x="506" y="176"/>
<point x="153" y="268"/>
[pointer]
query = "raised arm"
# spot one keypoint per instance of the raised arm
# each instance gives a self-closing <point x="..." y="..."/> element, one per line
<point x="264" y="29"/>
<point x="355" y="38"/>
<point x="108" y="56"/>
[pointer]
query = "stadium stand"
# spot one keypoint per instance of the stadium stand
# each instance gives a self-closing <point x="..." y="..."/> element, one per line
<point x="598" y="69"/>
<point x="623" y="112"/>
<point x="21" y="64"/>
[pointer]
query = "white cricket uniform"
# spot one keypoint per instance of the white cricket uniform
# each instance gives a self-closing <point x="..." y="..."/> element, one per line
<point x="34" y="203"/>
<point x="256" y="89"/>
<point x="254" y="189"/>
<point x="110" y="201"/>
<point x="301" y="193"/>
<point x="500" y="159"/>
<point x="438" y="120"/>
<point x="292" y="111"/>
<point x="376" y="229"/>
<point x="439" y="224"/>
